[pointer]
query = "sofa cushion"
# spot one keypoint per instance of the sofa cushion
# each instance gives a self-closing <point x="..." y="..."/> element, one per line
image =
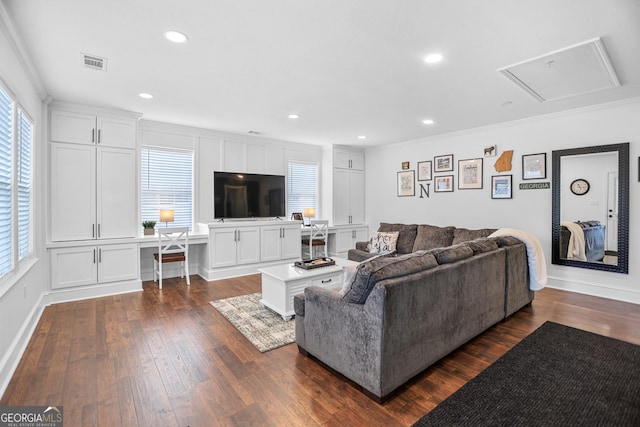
<point x="481" y="245"/>
<point x="383" y="243"/>
<point x="371" y="272"/>
<point x="503" y="241"/>
<point x="406" y="236"/>
<point x="464" y="235"/>
<point x="452" y="254"/>
<point x="431" y="236"/>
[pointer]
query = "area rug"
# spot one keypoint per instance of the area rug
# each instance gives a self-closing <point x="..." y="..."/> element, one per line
<point x="263" y="327"/>
<point x="557" y="376"/>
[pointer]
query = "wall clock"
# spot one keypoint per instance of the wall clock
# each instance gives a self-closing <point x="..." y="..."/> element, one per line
<point x="579" y="187"/>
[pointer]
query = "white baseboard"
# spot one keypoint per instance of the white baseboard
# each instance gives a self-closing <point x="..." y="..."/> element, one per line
<point x="95" y="291"/>
<point x="596" y="290"/>
<point x="13" y="355"/>
<point x="237" y="270"/>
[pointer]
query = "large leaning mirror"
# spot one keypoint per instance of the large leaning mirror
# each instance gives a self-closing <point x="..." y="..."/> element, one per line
<point x="590" y="212"/>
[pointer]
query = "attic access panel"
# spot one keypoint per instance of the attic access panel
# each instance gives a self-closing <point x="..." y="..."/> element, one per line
<point x="574" y="70"/>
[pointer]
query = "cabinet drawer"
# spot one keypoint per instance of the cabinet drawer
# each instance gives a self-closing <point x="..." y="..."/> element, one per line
<point x="329" y="281"/>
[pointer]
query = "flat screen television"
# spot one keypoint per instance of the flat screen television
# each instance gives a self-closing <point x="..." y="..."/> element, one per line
<point x="247" y="195"/>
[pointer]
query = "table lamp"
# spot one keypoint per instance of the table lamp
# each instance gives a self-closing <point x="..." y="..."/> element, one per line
<point x="309" y="213"/>
<point x="166" y="216"/>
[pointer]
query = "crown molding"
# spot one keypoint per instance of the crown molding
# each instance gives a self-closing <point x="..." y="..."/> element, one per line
<point x="18" y="47"/>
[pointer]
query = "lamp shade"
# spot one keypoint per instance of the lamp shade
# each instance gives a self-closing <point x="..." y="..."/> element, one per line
<point x="310" y="212"/>
<point x="166" y="215"/>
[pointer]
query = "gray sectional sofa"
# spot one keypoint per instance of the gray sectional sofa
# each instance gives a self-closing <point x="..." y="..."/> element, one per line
<point x="401" y="313"/>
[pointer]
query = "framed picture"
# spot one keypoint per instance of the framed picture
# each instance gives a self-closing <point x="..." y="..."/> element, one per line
<point x="501" y="187"/>
<point x="424" y="170"/>
<point x="443" y="183"/>
<point x="469" y="174"/>
<point x="534" y="166"/>
<point x="490" y="151"/>
<point x="443" y="163"/>
<point x="406" y="186"/>
<point x="297" y="216"/>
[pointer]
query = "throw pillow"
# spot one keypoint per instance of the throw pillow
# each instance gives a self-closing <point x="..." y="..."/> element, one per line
<point x="383" y="243"/>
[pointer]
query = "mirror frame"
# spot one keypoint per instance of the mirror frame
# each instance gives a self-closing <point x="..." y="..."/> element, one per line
<point x="623" y="208"/>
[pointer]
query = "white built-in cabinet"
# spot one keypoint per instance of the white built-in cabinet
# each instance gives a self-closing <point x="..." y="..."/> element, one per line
<point x="280" y="242"/>
<point x="93" y="177"/>
<point x="93" y="205"/>
<point x="232" y="246"/>
<point x="348" y="187"/>
<point x="91" y="265"/>
<point x="346" y="238"/>
<point x="241" y="247"/>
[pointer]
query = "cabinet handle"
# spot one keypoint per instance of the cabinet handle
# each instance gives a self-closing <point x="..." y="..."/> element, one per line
<point x="327" y="281"/>
<point x="94" y="256"/>
<point x="100" y="255"/>
<point x="93" y="135"/>
<point x="99" y="136"/>
<point x="98" y="231"/>
<point x="93" y="230"/>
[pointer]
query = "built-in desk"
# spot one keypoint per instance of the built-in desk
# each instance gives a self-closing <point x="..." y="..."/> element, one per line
<point x="341" y="238"/>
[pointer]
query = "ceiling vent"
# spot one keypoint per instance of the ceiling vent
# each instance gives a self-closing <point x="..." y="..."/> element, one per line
<point x="94" y="62"/>
<point x="574" y="70"/>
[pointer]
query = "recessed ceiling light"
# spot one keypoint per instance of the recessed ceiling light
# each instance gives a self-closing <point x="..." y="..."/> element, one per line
<point x="294" y="116"/>
<point x="145" y="95"/>
<point x="362" y="137"/>
<point x="176" y="36"/>
<point x="433" y="58"/>
<point x="428" y="122"/>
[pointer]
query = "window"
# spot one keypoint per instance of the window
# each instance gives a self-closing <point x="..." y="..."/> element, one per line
<point x="302" y="187"/>
<point x="166" y="182"/>
<point x="16" y="135"/>
<point x="6" y="182"/>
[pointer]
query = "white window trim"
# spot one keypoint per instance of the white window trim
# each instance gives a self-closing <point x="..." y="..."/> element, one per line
<point x="20" y="267"/>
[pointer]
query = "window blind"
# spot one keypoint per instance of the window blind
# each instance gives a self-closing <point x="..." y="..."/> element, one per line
<point x="302" y="187"/>
<point x="6" y="174"/>
<point x="23" y="175"/>
<point x="166" y="182"/>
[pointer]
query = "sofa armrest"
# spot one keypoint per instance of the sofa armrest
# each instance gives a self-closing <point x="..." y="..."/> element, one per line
<point x="362" y="245"/>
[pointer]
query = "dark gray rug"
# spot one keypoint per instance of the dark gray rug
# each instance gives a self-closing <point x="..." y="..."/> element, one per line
<point x="557" y="376"/>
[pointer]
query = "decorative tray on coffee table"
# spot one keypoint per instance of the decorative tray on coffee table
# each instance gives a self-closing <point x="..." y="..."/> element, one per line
<point x="310" y="264"/>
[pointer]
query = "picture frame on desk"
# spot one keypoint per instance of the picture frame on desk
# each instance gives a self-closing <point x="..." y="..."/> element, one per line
<point x="297" y="216"/>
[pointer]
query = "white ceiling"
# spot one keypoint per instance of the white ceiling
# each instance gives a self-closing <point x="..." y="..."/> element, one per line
<point x="347" y="67"/>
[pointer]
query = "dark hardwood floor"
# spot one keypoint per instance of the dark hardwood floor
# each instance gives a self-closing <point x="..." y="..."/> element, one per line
<point x="167" y="358"/>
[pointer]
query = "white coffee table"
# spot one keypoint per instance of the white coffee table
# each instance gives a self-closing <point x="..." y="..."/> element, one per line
<point x="281" y="282"/>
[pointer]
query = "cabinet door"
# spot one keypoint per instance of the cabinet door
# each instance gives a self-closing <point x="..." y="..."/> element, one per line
<point x="291" y="242"/>
<point x="73" y="127"/>
<point x="356" y="196"/>
<point x="344" y="240"/>
<point x="73" y="192"/>
<point x="340" y="197"/>
<point x="270" y="243"/>
<point x="222" y="243"/>
<point x="114" y="132"/>
<point x="74" y="267"/>
<point x="341" y="159"/>
<point x="357" y="160"/>
<point x="248" y="245"/>
<point x="360" y="235"/>
<point x="116" y="193"/>
<point x="118" y="262"/>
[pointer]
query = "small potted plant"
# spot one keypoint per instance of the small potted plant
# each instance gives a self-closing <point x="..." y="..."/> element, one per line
<point x="149" y="227"/>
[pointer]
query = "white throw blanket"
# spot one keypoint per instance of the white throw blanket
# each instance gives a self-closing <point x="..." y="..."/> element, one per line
<point x="576" y="248"/>
<point x="535" y="256"/>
